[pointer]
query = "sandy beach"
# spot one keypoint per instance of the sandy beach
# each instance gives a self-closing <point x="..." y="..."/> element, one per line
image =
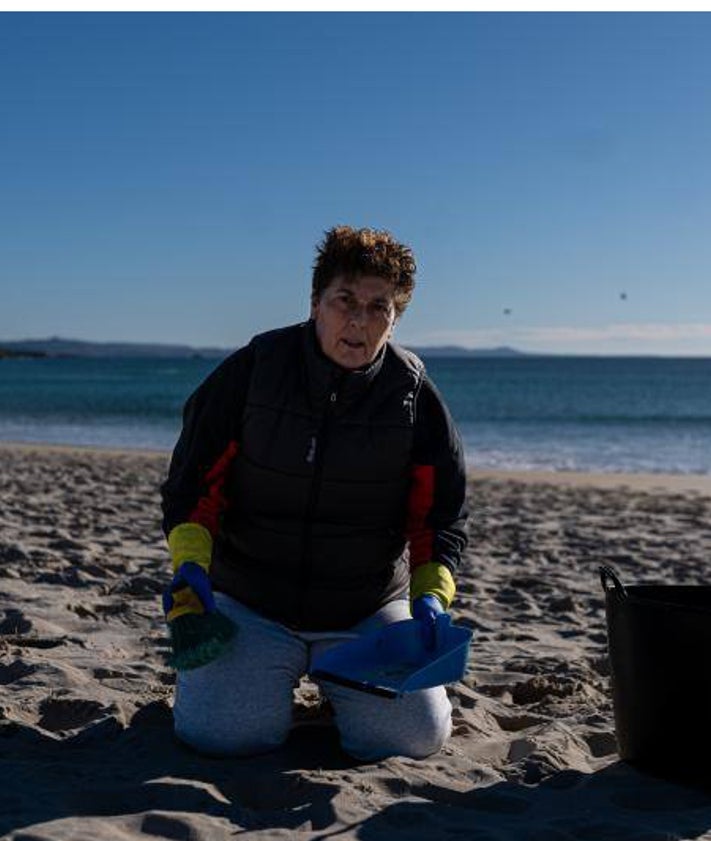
<point x="86" y="745"/>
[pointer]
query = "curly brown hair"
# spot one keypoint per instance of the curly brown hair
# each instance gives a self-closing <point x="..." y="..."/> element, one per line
<point x="364" y="251"/>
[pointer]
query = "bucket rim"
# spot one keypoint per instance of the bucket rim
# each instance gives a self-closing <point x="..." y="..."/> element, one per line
<point x="639" y="594"/>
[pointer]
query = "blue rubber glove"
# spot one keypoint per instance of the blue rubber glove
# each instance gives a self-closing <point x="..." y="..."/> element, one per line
<point x="190" y="575"/>
<point x="426" y="609"/>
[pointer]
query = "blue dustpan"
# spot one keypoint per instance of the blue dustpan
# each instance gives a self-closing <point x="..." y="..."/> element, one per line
<point x="392" y="660"/>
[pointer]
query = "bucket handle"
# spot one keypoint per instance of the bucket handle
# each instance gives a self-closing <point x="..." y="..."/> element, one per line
<point x="362" y="685"/>
<point x="607" y="575"/>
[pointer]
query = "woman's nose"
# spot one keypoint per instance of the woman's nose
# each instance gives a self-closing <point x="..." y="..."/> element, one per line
<point x="358" y="314"/>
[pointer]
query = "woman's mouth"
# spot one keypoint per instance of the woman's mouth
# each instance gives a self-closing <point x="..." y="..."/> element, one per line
<point x="353" y="345"/>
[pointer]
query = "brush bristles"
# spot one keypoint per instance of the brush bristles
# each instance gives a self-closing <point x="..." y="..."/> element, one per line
<point x="198" y="639"/>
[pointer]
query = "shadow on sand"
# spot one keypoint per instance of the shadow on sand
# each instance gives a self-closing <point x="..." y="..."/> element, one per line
<point x="107" y="770"/>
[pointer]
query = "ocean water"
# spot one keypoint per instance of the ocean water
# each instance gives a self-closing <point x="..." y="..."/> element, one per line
<point x="524" y="413"/>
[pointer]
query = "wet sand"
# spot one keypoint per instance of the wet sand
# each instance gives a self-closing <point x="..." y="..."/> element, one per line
<point x="86" y="746"/>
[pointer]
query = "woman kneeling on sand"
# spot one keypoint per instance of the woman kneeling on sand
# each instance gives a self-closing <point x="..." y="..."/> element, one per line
<point x="317" y="487"/>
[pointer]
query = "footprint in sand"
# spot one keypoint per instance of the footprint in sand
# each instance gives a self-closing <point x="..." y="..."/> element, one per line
<point x="104" y="674"/>
<point x="140" y="586"/>
<point x="11" y="554"/>
<point x="15" y="622"/>
<point x="542" y="687"/>
<point x="513" y="723"/>
<point x="166" y="826"/>
<point x="601" y="744"/>
<point x="83" y="612"/>
<point x="69" y="713"/>
<point x="15" y="671"/>
<point x="65" y="544"/>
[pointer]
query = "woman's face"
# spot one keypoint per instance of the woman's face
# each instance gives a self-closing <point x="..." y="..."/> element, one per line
<point x="354" y="318"/>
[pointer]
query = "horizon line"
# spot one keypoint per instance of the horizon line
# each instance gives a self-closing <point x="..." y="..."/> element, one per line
<point x="507" y="350"/>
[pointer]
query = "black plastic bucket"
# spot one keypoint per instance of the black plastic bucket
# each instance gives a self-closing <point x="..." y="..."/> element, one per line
<point x="659" y="639"/>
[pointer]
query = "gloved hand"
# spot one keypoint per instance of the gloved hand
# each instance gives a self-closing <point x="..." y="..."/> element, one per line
<point x="190" y="591"/>
<point x="426" y="609"/>
<point x="199" y="633"/>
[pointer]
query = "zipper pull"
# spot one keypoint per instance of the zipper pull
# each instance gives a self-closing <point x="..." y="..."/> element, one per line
<point x="311" y="455"/>
<point x="334" y="397"/>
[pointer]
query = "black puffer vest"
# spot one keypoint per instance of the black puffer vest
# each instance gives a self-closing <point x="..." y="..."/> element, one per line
<point x="314" y="533"/>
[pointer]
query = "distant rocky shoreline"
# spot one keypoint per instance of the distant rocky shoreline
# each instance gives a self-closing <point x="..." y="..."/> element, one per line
<point x="6" y="353"/>
<point x="57" y="347"/>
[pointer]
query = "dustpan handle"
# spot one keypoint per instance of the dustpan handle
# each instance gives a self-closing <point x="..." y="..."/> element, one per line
<point x="363" y="686"/>
<point x="607" y="574"/>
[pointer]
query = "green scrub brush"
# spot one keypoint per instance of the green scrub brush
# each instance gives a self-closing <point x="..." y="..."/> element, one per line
<point x="199" y="633"/>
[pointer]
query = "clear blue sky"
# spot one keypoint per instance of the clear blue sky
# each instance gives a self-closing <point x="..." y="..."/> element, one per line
<point x="165" y="177"/>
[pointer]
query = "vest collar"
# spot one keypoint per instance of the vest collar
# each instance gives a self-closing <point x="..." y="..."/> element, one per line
<point x="325" y="377"/>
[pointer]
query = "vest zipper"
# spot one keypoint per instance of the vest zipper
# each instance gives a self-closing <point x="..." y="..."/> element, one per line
<point x="318" y="448"/>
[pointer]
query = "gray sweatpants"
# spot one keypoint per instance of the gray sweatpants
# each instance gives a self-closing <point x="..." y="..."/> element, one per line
<point x="241" y="703"/>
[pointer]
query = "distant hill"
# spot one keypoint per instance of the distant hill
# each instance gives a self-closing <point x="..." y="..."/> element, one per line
<point x="56" y="347"/>
<point x="453" y="351"/>
<point x="19" y="354"/>
<point x="74" y="347"/>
